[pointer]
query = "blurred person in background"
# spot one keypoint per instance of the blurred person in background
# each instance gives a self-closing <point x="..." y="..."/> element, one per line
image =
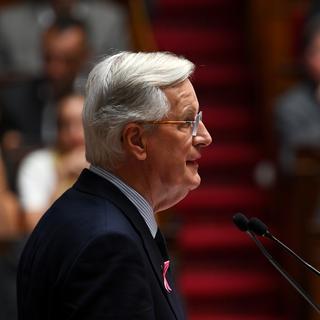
<point x="66" y="57"/>
<point x="43" y="176"/>
<point x="46" y="173"/>
<point x="22" y="25"/>
<point x="10" y="233"/>
<point x="9" y="209"/>
<point x="29" y="107"/>
<point x="297" y="111"/>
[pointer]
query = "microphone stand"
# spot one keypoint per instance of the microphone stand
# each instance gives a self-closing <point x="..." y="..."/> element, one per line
<point x="284" y="273"/>
<point x="291" y="252"/>
<point x="256" y="226"/>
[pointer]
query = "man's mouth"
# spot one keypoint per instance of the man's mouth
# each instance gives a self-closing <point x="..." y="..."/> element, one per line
<point x="192" y="163"/>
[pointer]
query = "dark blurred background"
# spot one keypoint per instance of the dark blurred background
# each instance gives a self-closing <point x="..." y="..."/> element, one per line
<point x="257" y="81"/>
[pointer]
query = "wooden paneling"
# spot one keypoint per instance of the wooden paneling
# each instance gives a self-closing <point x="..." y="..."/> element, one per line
<point x="4" y="3"/>
<point x="273" y="28"/>
<point x="141" y="31"/>
<point x="306" y="217"/>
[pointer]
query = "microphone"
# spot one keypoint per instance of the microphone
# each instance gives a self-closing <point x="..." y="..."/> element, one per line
<point x="256" y="226"/>
<point x="242" y="222"/>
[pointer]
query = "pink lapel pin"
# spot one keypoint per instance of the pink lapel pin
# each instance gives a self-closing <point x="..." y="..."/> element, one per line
<point x="164" y="273"/>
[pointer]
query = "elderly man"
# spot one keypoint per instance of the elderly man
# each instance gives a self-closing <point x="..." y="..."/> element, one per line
<point x="97" y="252"/>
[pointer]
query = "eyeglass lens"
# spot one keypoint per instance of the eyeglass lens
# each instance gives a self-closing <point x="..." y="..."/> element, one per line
<point x="196" y="124"/>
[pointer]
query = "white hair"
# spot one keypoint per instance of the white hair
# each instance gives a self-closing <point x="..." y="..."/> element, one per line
<point x="124" y="88"/>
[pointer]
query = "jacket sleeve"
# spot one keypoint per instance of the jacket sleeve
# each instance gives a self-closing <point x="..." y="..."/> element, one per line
<point x="108" y="281"/>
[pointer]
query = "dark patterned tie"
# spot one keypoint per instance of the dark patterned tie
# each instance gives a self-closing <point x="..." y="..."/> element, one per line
<point x="161" y="245"/>
<point x="164" y="253"/>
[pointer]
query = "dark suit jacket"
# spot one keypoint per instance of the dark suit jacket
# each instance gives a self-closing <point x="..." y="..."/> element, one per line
<point x="93" y="257"/>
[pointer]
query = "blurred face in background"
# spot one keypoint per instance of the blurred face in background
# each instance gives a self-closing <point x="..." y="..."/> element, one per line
<point x="65" y="54"/>
<point x="62" y="7"/>
<point x="312" y="58"/>
<point x="70" y="129"/>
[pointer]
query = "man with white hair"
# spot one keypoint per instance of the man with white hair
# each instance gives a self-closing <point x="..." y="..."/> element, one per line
<point x="97" y="253"/>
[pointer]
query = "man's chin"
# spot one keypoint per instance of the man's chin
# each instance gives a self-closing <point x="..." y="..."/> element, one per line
<point x="196" y="181"/>
<point x="182" y="190"/>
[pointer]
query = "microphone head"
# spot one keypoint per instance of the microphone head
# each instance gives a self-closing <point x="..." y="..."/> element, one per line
<point x="257" y="226"/>
<point x="241" y="221"/>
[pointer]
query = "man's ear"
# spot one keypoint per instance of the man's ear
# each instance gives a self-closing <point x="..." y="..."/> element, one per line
<point x="134" y="140"/>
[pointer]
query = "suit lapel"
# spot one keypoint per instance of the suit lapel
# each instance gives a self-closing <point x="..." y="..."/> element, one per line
<point x="90" y="182"/>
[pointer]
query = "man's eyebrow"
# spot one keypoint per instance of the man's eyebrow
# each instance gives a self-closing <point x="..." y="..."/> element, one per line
<point x="189" y="112"/>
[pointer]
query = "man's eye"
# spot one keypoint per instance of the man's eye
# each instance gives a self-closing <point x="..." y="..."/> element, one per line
<point x="186" y="124"/>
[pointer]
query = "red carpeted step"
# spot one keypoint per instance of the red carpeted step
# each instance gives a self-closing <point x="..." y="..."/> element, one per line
<point x="211" y="237"/>
<point x="235" y="316"/>
<point x="232" y="197"/>
<point x="230" y="155"/>
<point x="228" y="117"/>
<point x="179" y="4"/>
<point x="223" y="283"/>
<point x="230" y="124"/>
<point x="205" y="42"/>
<point x="202" y="12"/>
<point x="221" y="75"/>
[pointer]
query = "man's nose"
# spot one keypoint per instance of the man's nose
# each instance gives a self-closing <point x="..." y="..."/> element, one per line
<point x="203" y="136"/>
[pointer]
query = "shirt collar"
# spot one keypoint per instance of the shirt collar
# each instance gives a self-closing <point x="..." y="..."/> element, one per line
<point x="136" y="198"/>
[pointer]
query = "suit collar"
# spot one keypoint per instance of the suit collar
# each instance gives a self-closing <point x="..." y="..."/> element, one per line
<point x="135" y="197"/>
<point x="91" y="183"/>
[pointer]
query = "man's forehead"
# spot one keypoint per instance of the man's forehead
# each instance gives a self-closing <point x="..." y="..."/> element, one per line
<point x="182" y="95"/>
